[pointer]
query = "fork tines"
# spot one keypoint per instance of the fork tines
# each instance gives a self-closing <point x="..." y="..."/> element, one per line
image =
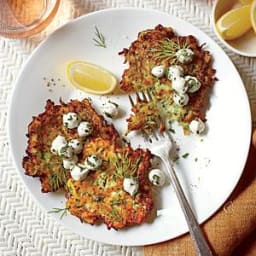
<point x="145" y="96"/>
<point x="131" y="100"/>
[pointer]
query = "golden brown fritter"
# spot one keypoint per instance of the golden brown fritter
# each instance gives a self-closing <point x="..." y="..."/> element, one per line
<point x="101" y="198"/>
<point x="145" y="117"/>
<point x="158" y="46"/>
<point x="39" y="161"/>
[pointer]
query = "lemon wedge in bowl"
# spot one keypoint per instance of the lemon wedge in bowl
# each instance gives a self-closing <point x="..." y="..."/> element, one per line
<point x="234" y="23"/>
<point x="90" y="78"/>
<point x="245" y="1"/>
<point x="253" y="15"/>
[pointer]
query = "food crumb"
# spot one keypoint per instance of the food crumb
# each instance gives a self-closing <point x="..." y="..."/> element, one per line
<point x="176" y="158"/>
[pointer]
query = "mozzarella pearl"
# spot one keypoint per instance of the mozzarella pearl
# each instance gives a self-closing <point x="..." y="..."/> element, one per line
<point x="179" y="85"/>
<point x="58" y="143"/>
<point x="181" y="99"/>
<point x="84" y="129"/>
<point x="71" y="120"/>
<point x="158" y="71"/>
<point x="174" y="71"/>
<point x="93" y="162"/>
<point x="131" y="186"/>
<point x="193" y="83"/>
<point x="156" y="177"/>
<point x="197" y="126"/>
<point x="110" y="109"/>
<point x="69" y="163"/>
<point x="78" y="173"/>
<point x="77" y="145"/>
<point x="184" y="55"/>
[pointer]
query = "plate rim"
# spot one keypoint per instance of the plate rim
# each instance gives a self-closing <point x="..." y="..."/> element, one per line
<point x="98" y="12"/>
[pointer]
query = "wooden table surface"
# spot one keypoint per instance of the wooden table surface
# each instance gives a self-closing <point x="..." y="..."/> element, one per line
<point x="243" y="241"/>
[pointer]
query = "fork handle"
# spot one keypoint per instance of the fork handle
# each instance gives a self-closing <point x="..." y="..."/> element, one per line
<point x="199" y="240"/>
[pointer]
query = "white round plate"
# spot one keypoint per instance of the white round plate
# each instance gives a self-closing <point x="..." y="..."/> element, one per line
<point x="215" y="161"/>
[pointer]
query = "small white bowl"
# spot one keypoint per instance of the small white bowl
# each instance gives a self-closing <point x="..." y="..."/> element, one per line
<point x="245" y="45"/>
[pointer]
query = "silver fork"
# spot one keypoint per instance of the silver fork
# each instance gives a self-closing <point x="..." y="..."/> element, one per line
<point x="160" y="145"/>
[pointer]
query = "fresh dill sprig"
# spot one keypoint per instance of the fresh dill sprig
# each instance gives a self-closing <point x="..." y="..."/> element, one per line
<point x="58" y="179"/>
<point x="167" y="48"/>
<point x="125" y="167"/>
<point x="63" y="211"/>
<point x="100" y="40"/>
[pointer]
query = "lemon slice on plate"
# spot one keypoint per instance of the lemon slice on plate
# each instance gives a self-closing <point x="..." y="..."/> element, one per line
<point x="90" y="78"/>
<point x="253" y="15"/>
<point x="234" y="23"/>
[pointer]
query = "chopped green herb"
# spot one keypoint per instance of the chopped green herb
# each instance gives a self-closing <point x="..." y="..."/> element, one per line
<point x="171" y="130"/>
<point x="47" y="156"/>
<point x="156" y="179"/>
<point x="167" y="48"/>
<point x="58" y="179"/>
<point x="63" y="211"/>
<point x="108" y="115"/>
<point x="124" y="166"/>
<point x="185" y="155"/>
<point x="117" y="202"/>
<point x="63" y="150"/>
<point x="115" y="215"/>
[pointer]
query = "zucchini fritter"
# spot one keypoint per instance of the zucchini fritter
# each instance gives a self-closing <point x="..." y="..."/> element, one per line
<point x="101" y="198"/>
<point x="146" y="117"/>
<point x="159" y="46"/>
<point x="40" y="162"/>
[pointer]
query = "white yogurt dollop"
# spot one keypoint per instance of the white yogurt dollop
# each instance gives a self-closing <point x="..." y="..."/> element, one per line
<point x="179" y="85"/>
<point x="157" y="177"/>
<point x="84" y="129"/>
<point x="77" y="145"/>
<point x="197" y="126"/>
<point x="181" y="99"/>
<point x="174" y="71"/>
<point x="71" y="120"/>
<point x="78" y="173"/>
<point x="93" y="162"/>
<point x="58" y="143"/>
<point x="193" y="83"/>
<point x="184" y="55"/>
<point x="110" y="109"/>
<point x="131" y="186"/>
<point x="69" y="163"/>
<point x="158" y="71"/>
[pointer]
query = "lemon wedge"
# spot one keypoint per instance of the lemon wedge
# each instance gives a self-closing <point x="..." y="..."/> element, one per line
<point x="90" y="78"/>
<point x="253" y="15"/>
<point x="234" y="23"/>
<point x="245" y="1"/>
